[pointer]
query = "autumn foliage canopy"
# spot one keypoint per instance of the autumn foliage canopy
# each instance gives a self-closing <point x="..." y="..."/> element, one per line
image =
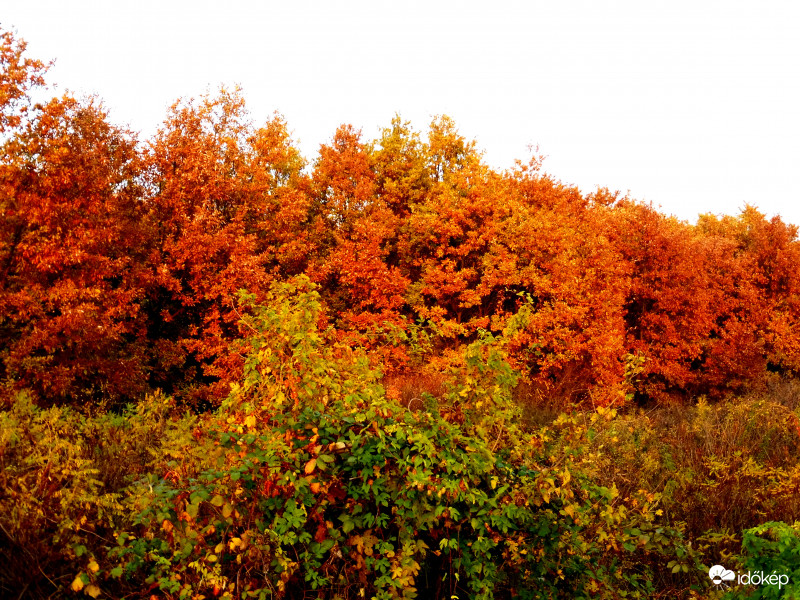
<point x="121" y="259"/>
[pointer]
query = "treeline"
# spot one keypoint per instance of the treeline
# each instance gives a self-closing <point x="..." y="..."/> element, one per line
<point x="357" y="341"/>
<point x="121" y="259"/>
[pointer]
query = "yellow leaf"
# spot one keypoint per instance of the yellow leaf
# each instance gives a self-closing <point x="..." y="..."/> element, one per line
<point x="227" y="510"/>
<point x="250" y="421"/>
<point x="93" y="591"/>
<point x="77" y="584"/>
<point x="93" y="566"/>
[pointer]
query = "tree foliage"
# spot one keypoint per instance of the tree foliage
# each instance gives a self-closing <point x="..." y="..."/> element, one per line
<point x="229" y="372"/>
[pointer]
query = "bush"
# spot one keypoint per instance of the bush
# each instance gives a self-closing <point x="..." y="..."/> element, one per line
<point x="311" y="480"/>
<point x="63" y="477"/>
<point x="316" y="483"/>
<point x="773" y="547"/>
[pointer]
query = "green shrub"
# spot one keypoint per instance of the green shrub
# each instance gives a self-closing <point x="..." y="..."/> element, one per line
<point x="315" y="483"/>
<point x="310" y="480"/>
<point x="771" y="548"/>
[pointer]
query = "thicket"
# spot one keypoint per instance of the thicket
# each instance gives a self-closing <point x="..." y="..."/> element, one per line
<point x="225" y="372"/>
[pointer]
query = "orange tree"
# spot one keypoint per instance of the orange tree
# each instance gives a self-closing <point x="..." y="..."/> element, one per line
<point x="441" y="241"/>
<point x="70" y="322"/>
<point x="690" y="309"/>
<point x="364" y="292"/>
<point x="557" y="256"/>
<point x="398" y="158"/>
<point x="476" y="245"/>
<point x="18" y="75"/>
<point x="228" y="211"/>
<point x="768" y="251"/>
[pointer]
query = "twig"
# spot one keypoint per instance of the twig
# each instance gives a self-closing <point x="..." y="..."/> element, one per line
<point x="25" y="589"/>
<point x="499" y="436"/>
<point x="253" y="329"/>
<point x="46" y="577"/>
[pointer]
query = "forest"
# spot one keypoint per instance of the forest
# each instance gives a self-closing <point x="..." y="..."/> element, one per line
<point x="388" y="372"/>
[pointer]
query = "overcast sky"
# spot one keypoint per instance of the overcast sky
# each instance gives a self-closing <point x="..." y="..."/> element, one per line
<point x="694" y="106"/>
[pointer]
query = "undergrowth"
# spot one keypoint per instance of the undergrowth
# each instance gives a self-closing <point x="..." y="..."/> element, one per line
<point x="317" y="477"/>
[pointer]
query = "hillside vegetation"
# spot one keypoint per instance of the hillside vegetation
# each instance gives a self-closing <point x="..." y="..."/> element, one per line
<point x="392" y="372"/>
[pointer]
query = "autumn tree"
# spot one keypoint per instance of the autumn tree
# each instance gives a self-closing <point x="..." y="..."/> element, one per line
<point x="769" y="252"/>
<point x="364" y="292"/>
<point x="19" y="75"/>
<point x="228" y="212"/>
<point x="689" y="310"/>
<point x="442" y="240"/>
<point x="399" y="160"/>
<point x="70" y="273"/>
<point x="559" y="262"/>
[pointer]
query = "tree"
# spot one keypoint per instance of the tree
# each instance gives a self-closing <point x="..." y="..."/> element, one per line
<point x="365" y="294"/>
<point x="402" y="174"/>
<point x="559" y="264"/>
<point x="228" y="212"/>
<point x="70" y="275"/>
<point x="690" y="311"/>
<point x="769" y="253"/>
<point x="18" y="76"/>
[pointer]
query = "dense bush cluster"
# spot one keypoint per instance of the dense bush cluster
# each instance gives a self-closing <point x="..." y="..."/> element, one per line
<point x="309" y="480"/>
<point x="392" y="373"/>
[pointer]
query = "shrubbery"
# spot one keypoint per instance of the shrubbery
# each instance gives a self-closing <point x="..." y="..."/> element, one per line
<point x="309" y="480"/>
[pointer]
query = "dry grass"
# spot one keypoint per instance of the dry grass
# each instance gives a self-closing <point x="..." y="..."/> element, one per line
<point x="411" y="388"/>
<point x="540" y="406"/>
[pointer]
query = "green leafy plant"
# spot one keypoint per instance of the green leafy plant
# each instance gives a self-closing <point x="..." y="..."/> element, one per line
<point x="771" y="549"/>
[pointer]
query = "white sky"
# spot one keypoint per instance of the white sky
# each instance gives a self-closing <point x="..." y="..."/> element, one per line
<point x="693" y="105"/>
